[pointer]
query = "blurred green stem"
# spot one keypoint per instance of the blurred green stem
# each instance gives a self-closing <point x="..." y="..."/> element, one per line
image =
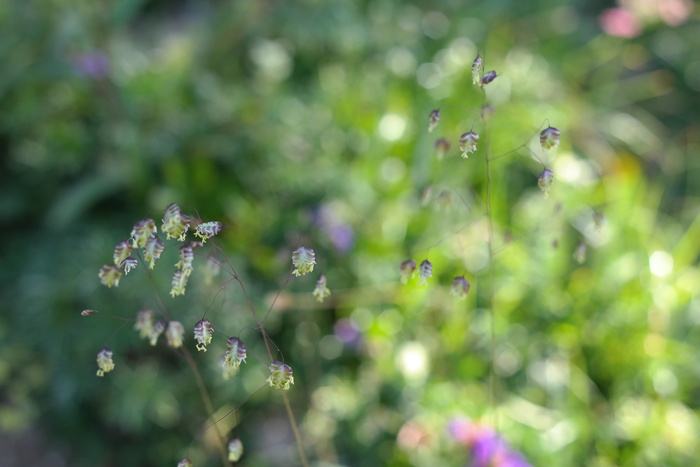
<point x="493" y="383"/>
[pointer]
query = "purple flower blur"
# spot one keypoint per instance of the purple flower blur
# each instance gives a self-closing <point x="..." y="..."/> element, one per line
<point x="486" y="447"/>
<point x="342" y="236"/>
<point x="92" y="64"/>
<point x="346" y="330"/>
<point x="338" y="232"/>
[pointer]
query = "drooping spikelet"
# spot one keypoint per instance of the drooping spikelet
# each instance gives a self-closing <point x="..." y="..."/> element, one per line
<point x="142" y="231"/>
<point x="460" y="287"/>
<point x="175" y="224"/>
<point x="152" y="250"/>
<point x="121" y="251"/>
<point x="425" y="271"/>
<point x="110" y="274"/>
<point x="433" y="119"/>
<point x="145" y="322"/>
<point x="175" y="334"/>
<point x="280" y="376"/>
<point x="407" y="269"/>
<point x="303" y="260"/>
<point x="545" y="181"/>
<point x="488" y="77"/>
<point x="467" y="143"/>
<point x="476" y="69"/>
<point x="549" y="138"/>
<point x="235" y="450"/>
<point x="203" y="332"/>
<point x="321" y="291"/>
<point x="234" y="356"/>
<point x="179" y="282"/>
<point x="104" y="362"/>
<point x="207" y="230"/>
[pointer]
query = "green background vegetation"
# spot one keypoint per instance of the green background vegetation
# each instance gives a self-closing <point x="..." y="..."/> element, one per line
<point x="293" y="121"/>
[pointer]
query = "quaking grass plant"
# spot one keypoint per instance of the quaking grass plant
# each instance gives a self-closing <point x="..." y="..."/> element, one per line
<point x="195" y="243"/>
<point x="189" y="235"/>
<point x="485" y="445"/>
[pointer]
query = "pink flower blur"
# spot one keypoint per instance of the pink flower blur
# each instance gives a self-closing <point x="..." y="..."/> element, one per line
<point x="675" y="12"/>
<point x="619" y="22"/>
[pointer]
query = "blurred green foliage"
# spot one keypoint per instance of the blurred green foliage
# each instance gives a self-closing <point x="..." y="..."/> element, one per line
<point x="306" y="122"/>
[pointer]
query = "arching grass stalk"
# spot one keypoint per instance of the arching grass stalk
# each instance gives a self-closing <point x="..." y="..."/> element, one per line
<point x="203" y="393"/>
<point x="266" y="339"/>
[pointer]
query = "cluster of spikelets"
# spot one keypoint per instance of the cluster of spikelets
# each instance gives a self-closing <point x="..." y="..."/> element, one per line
<point x="468" y="142"/>
<point x="460" y="285"/>
<point x="304" y="260"/>
<point x="146" y="245"/>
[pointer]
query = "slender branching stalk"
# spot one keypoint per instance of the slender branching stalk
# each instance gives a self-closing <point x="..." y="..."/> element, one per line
<point x="206" y="399"/>
<point x="266" y="339"/>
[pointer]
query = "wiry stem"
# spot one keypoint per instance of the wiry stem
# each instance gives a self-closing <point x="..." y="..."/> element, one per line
<point x="259" y="324"/>
<point x="295" y="429"/>
<point x="204" y="394"/>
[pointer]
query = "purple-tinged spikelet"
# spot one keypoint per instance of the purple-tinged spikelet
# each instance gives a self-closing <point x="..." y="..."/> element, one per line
<point x="179" y="282"/>
<point x="104" y="362"/>
<point x="425" y="271"/>
<point x="235" y="355"/>
<point x="175" y="224"/>
<point x="203" y="332"/>
<point x="545" y="181"/>
<point x="321" y="291"/>
<point x="303" y="260"/>
<point x="128" y="264"/>
<point x="145" y="322"/>
<point x="207" y="230"/>
<point x="549" y="138"/>
<point x="460" y="287"/>
<point x="175" y="334"/>
<point x="110" y="274"/>
<point x="155" y="333"/>
<point x="433" y="120"/>
<point x="142" y="231"/>
<point x="122" y="251"/>
<point x="280" y="376"/>
<point x="186" y="257"/>
<point x="476" y="69"/>
<point x="488" y="77"/>
<point x="235" y="450"/>
<point x="88" y="312"/>
<point x="407" y="269"/>
<point x="152" y="250"/>
<point x="467" y="143"/>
